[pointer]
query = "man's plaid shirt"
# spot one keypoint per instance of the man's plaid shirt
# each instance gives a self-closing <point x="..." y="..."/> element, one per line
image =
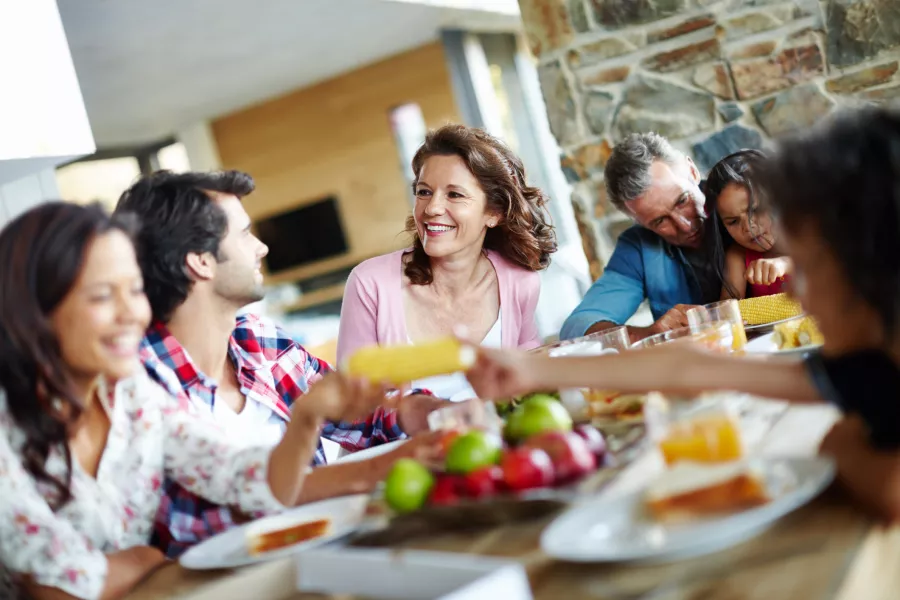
<point x="273" y="370"/>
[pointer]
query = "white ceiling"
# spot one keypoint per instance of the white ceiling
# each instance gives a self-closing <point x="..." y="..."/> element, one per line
<point x="149" y="67"/>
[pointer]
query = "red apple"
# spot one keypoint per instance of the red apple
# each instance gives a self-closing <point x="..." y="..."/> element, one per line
<point x="526" y="468"/>
<point x="570" y="454"/>
<point x="595" y="440"/>
<point x="446" y="491"/>
<point x="483" y="482"/>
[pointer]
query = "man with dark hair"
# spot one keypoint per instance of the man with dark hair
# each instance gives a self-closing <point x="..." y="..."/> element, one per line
<point x="663" y="258"/>
<point x="201" y="265"/>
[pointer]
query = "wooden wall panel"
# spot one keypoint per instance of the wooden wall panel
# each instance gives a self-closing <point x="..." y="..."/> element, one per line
<point x="335" y="138"/>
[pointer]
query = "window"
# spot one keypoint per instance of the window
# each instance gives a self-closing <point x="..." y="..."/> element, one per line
<point x="97" y="180"/>
<point x="103" y="176"/>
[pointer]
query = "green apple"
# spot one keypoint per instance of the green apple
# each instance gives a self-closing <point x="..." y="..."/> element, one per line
<point x="538" y="414"/>
<point x="472" y="451"/>
<point x="407" y="485"/>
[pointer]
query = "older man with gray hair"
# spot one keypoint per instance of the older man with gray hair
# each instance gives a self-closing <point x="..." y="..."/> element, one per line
<point x="661" y="259"/>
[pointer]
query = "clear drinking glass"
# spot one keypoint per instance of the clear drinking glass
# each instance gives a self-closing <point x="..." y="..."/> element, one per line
<point x="707" y="433"/>
<point x="725" y="310"/>
<point x="718" y="335"/>
<point x="472" y="414"/>
<point x="609" y="340"/>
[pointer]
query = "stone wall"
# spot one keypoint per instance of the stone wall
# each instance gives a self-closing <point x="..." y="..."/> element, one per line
<point x="711" y="75"/>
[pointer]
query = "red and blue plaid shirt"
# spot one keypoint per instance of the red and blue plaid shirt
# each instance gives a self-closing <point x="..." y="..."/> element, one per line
<point x="273" y="370"/>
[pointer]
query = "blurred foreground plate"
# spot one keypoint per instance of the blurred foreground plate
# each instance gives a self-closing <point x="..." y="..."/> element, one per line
<point x="620" y="530"/>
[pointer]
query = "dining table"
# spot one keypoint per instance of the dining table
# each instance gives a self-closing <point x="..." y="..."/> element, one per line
<point x="829" y="549"/>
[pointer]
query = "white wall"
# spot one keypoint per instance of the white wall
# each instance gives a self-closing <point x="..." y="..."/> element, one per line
<point x="18" y="196"/>
<point x="200" y="146"/>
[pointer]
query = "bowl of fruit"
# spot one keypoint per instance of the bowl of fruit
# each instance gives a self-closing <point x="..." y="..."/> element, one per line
<point x="538" y="464"/>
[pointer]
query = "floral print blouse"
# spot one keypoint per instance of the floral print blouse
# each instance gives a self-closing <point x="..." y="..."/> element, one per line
<point x="150" y="438"/>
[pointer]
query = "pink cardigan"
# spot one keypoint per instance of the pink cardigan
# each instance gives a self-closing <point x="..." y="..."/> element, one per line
<point x="373" y="312"/>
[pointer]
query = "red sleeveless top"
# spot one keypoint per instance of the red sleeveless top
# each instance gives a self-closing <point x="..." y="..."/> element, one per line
<point x="755" y="290"/>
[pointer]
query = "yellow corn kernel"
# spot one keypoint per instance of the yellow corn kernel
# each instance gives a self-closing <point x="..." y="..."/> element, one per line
<point x="808" y="333"/>
<point x="766" y="309"/>
<point x="786" y="334"/>
<point x="798" y="333"/>
<point x="402" y="364"/>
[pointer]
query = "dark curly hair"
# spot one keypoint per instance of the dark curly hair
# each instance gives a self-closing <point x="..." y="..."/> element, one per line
<point x="843" y="177"/>
<point x="739" y="168"/>
<point x="44" y="250"/>
<point x="177" y="217"/>
<point x="524" y="235"/>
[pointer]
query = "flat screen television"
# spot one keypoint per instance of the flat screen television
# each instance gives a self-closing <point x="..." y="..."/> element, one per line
<point x="304" y="235"/>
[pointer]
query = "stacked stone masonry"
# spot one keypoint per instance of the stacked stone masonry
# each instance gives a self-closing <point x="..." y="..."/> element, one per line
<point x="713" y="76"/>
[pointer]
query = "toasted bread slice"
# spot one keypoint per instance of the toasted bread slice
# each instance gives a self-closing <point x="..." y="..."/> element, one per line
<point x="276" y="539"/>
<point x="690" y="490"/>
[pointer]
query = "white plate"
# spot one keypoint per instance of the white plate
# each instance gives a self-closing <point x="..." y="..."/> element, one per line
<point x="763" y="327"/>
<point x="765" y="344"/>
<point x="619" y="530"/>
<point x="229" y="549"/>
<point x="370" y="452"/>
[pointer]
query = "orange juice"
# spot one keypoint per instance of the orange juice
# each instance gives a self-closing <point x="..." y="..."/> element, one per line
<point x="740" y="336"/>
<point x="705" y="439"/>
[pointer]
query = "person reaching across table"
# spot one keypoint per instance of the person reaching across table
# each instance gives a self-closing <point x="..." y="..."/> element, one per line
<point x="836" y="193"/>
<point x="86" y="438"/>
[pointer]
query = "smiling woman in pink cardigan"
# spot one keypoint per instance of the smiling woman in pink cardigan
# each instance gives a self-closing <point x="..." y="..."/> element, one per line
<point x="480" y="234"/>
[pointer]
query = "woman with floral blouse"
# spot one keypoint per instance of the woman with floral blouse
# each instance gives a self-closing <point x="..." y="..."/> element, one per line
<point x="86" y="438"/>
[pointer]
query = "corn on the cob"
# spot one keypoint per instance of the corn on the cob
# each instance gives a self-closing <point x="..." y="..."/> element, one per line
<point x="402" y="364"/>
<point x="785" y="334"/>
<point x="808" y="333"/>
<point x="798" y="333"/>
<point x="766" y="309"/>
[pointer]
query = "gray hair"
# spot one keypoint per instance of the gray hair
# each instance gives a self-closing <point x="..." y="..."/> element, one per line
<point x="627" y="171"/>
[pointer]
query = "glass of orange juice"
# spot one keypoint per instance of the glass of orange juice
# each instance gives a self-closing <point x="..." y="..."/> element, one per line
<point x="725" y="310"/>
<point x="708" y="435"/>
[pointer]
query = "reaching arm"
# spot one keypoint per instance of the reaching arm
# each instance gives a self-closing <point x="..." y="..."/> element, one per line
<point x="201" y="458"/>
<point x="675" y="369"/>
<point x="362" y="477"/>
<point x="615" y="297"/>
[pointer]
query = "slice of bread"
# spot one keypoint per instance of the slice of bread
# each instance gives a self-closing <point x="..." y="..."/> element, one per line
<point x="275" y="539"/>
<point x="689" y="490"/>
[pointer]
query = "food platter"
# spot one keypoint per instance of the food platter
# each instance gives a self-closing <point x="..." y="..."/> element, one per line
<point x="619" y="529"/>
<point x="503" y="508"/>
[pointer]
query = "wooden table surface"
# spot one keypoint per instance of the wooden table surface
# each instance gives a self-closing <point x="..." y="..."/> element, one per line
<point x="827" y="550"/>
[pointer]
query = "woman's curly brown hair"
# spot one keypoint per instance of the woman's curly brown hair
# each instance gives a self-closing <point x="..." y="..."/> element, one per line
<point x="524" y="235"/>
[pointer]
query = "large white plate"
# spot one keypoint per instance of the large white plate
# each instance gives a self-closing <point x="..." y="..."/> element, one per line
<point x="619" y="530"/>
<point x="765" y="344"/>
<point x="370" y="452"/>
<point x="229" y="549"/>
